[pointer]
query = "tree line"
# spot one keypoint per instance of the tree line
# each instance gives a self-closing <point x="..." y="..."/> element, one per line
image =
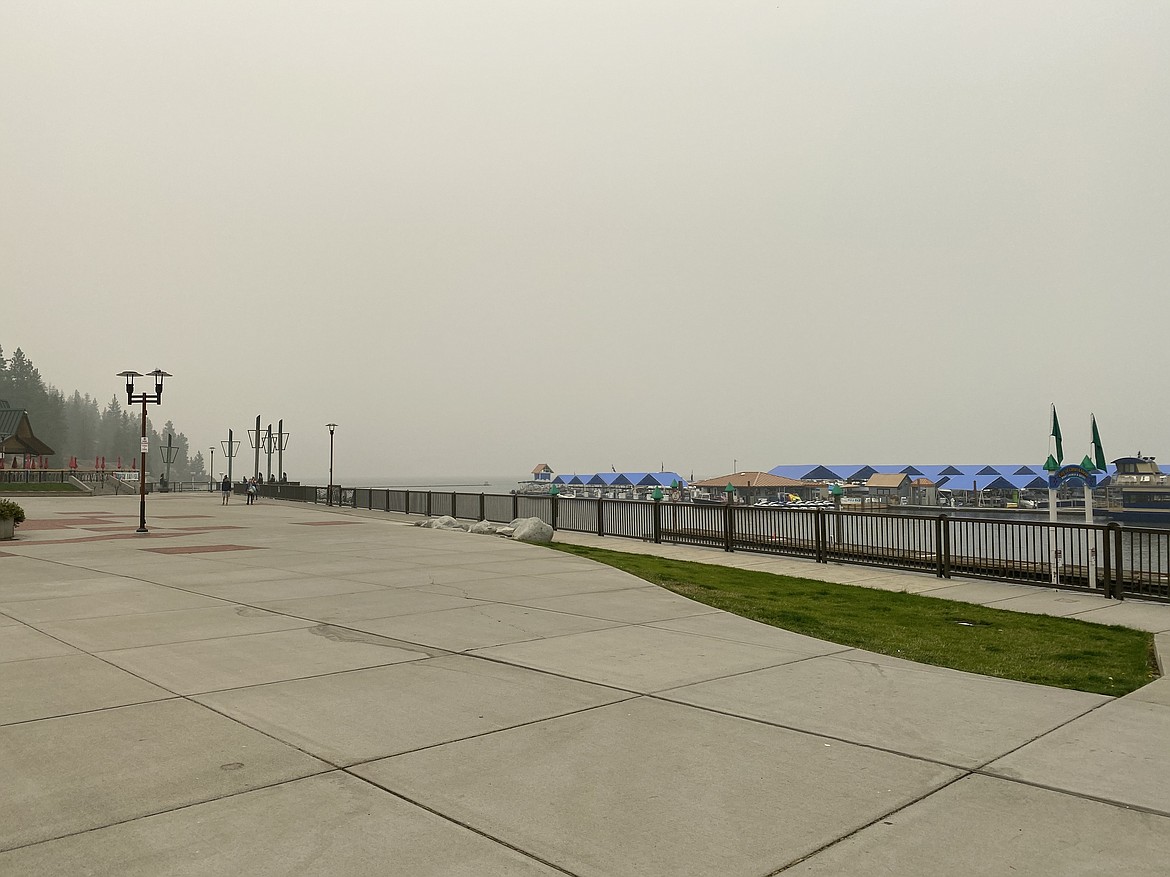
<point x="78" y="426"/>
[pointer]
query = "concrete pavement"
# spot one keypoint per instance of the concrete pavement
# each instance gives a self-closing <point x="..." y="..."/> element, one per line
<point x="287" y="689"/>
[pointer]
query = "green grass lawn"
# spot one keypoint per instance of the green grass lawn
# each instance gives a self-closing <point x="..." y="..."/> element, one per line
<point x="37" y="487"/>
<point x="1062" y="652"/>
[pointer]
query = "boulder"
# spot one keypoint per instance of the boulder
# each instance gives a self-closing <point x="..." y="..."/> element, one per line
<point x="486" y="528"/>
<point x="446" y="522"/>
<point x="532" y="530"/>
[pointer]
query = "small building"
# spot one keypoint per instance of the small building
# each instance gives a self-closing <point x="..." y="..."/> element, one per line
<point x="16" y="435"/>
<point x="891" y="487"/>
<point x="543" y="472"/>
<point x="923" y="492"/>
<point x="751" y="487"/>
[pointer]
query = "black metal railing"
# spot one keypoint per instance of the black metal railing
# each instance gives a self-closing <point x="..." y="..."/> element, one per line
<point x="1108" y="559"/>
<point x="33" y="476"/>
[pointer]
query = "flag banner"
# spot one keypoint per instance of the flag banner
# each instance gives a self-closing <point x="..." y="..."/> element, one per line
<point x="1056" y="435"/>
<point x="1098" y="452"/>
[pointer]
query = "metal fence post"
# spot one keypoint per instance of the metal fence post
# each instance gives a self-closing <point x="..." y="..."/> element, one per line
<point x="428" y="503"/>
<point x="657" y="522"/>
<point x="1107" y="562"/>
<point x="600" y="516"/>
<point x="553" y="510"/>
<point x="939" y="523"/>
<point x="515" y="506"/>
<point x="822" y="553"/>
<point x="946" y="549"/>
<point x="728" y="526"/>
<point x="482" y="508"/>
<point x="1118" y="562"/>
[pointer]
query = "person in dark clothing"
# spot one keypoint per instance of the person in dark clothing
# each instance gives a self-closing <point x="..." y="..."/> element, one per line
<point x="225" y="488"/>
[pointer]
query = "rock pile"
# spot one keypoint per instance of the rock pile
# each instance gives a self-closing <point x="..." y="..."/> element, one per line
<point x="521" y="529"/>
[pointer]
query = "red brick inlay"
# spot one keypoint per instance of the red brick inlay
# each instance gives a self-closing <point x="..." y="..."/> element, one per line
<point x="201" y="549"/>
<point x="125" y="534"/>
<point x="64" y="523"/>
<point x="179" y="517"/>
<point x="323" y="523"/>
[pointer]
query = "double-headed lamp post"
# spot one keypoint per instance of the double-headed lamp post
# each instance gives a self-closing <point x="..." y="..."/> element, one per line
<point x="329" y="499"/>
<point x="133" y="398"/>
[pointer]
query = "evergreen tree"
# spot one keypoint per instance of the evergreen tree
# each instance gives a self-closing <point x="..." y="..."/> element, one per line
<point x="21" y="386"/>
<point x="77" y="426"/>
<point x="83" y="424"/>
<point x="118" y="435"/>
<point x="181" y="468"/>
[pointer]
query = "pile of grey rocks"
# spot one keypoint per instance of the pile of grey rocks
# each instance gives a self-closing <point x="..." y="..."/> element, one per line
<point x="521" y="529"/>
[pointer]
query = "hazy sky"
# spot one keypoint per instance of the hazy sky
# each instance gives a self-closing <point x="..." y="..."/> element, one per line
<point x="481" y="236"/>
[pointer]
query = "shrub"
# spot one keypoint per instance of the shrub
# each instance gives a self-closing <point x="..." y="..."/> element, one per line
<point x="9" y="509"/>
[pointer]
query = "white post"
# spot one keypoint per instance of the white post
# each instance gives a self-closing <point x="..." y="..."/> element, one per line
<point x="1092" y="538"/>
<point x="1053" y="551"/>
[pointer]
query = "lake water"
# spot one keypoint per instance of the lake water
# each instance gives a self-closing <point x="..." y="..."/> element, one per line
<point x="444" y="483"/>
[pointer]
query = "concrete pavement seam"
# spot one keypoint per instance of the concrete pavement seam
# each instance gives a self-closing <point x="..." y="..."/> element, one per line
<point x="165" y="810"/>
<point x="862" y="828"/>
<point x="464" y="825"/>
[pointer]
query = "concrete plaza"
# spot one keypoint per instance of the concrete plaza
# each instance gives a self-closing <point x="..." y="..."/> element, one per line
<point x="287" y="689"/>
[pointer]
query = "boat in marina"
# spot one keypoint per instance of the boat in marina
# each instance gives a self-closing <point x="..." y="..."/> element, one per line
<point x="1139" y="493"/>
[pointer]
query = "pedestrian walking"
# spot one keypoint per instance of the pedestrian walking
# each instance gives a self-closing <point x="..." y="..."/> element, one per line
<point x="225" y="487"/>
<point x="252" y="490"/>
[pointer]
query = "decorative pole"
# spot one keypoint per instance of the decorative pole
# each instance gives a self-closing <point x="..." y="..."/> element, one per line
<point x="256" y="445"/>
<point x="229" y="450"/>
<point x="131" y="399"/>
<point x="329" y="495"/>
<point x="1051" y="465"/>
<point x="281" y="442"/>
<point x="1091" y="464"/>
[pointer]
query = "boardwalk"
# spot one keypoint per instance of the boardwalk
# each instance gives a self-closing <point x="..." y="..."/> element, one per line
<point x="284" y="689"/>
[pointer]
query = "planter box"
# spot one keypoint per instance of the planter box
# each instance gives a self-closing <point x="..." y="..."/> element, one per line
<point x="7" y="528"/>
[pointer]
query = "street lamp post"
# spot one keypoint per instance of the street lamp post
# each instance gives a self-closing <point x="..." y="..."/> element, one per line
<point x="329" y="498"/>
<point x="211" y="471"/>
<point x="133" y="398"/>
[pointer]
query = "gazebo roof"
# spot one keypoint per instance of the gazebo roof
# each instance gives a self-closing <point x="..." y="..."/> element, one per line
<point x="16" y="435"/>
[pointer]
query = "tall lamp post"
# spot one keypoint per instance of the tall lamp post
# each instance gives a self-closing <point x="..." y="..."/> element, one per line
<point x="133" y="398"/>
<point x="211" y="471"/>
<point x="331" y="427"/>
